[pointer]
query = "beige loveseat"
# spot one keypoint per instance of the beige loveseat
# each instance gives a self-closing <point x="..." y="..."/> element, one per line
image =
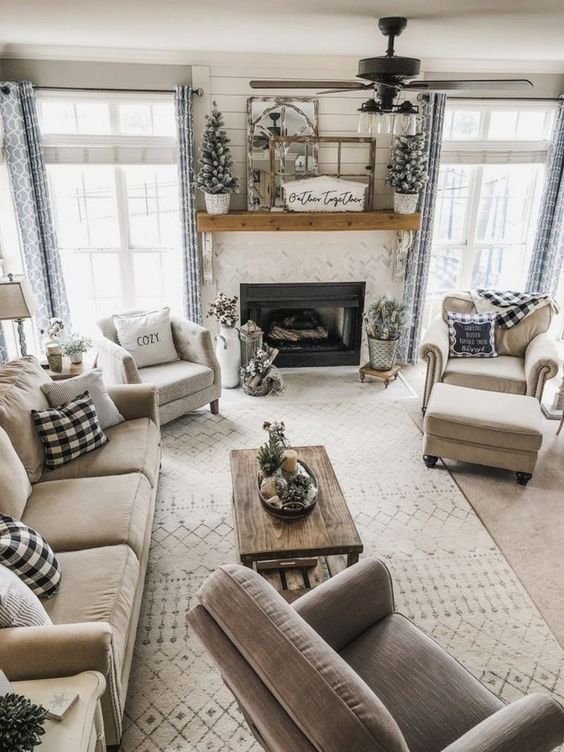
<point x="527" y="354"/>
<point x="96" y="512"/>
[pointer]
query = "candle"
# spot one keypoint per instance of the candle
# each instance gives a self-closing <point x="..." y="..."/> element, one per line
<point x="290" y="461"/>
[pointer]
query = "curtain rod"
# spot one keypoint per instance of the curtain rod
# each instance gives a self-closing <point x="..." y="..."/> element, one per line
<point x="196" y="92"/>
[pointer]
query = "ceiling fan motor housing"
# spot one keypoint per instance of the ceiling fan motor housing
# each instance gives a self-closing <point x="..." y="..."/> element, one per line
<point x="388" y="69"/>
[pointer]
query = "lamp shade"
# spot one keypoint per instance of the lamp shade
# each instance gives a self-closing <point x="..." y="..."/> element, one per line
<point x="17" y="301"/>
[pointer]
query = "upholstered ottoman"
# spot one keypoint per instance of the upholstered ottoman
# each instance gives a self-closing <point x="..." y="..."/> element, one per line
<point x="487" y="428"/>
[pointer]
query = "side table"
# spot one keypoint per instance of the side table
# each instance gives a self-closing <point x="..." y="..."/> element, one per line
<point x="82" y="729"/>
<point x="72" y="369"/>
<point x="385" y="376"/>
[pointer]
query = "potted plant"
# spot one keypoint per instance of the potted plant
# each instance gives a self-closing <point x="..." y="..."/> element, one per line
<point x="21" y="723"/>
<point x="384" y="321"/>
<point x="408" y="172"/>
<point x="75" y="346"/>
<point x="215" y="178"/>
<point x="228" y="348"/>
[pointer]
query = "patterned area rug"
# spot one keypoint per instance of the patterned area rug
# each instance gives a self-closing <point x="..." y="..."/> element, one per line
<point x="449" y="575"/>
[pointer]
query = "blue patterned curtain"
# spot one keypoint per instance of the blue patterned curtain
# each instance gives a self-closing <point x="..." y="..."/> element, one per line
<point x="548" y="250"/>
<point x="417" y="268"/>
<point x="3" y="350"/>
<point x="186" y="178"/>
<point x="28" y="177"/>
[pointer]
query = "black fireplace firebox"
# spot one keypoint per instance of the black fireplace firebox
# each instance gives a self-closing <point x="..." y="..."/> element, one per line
<point x="311" y="323"/>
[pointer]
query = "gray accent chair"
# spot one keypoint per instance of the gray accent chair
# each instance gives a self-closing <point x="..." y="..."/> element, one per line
<point x="340" y="670"/>
<point x="527" y="354"/>
<point x="186" y="384"/>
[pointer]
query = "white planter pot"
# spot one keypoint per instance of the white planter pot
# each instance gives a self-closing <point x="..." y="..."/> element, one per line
<point x="217" y="203"/>
<point x="382" y="353"/>
<point x="405" y="203"/>
<point x="228" y="351"/>
<point x="76" y="358"/>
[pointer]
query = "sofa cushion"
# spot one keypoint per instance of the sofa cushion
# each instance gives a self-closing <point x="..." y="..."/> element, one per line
<point x="484" y="418"/>
<point x="60" y="392"/>
<point x="501" y="374"/>
<point x="15" y="487"/>
<point x="27" y="553"/>
<point x="512" y="341"/>
<point x="330" y="703"/>
<point x="20" y="393"/>
<point x="409" y="671"/>
<point x="19" y="606"/>
<point x="91" y="512"/>
<point x="177" y="380"/>
<point x="98" y="584"/>
<point x="133" y="446"/>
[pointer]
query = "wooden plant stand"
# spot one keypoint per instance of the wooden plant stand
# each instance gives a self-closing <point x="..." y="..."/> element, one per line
<point x="385" y="376"/>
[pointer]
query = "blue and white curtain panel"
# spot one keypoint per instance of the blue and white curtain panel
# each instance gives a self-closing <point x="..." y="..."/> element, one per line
<point x="548" y="250"/>
<point x="28" y="177"/>
<point x="417" y="268"/>
<point x="186" y="181"/>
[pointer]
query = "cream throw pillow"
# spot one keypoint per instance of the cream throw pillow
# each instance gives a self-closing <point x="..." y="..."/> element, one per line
<point x="60" y="392"/>
<point x="19" y="606"/>
<point x="147" y="336"/>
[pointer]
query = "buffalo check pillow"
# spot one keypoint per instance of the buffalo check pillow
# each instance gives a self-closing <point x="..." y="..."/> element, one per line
<point x="472" y="335"/>
<point x="29" y="556"/>
<point x="69" y="430"/>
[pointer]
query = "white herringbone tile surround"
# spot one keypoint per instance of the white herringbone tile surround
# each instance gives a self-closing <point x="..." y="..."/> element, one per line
<point x="449" y="575"/>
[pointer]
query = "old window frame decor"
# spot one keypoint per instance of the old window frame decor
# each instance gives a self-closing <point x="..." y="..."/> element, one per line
<point x="301" y="106"/>
<point x="312" y="145"/>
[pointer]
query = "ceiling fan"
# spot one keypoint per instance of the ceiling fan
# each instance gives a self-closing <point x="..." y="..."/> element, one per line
<point x="388" y="76"/>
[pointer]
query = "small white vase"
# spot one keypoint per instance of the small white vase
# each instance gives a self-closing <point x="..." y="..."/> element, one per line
<point x="228" y="351"/>
<point x="76" y="358"/>
<point x="405" y="203"/>
<point x="217" y="203"/>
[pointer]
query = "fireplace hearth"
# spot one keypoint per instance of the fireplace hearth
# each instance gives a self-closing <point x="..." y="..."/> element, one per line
<point x="311" y="324"/>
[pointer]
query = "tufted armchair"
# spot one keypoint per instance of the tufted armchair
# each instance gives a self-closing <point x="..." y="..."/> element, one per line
<point x="184" y="385"/>
<point x="341" y="671"/>
<point x="527" y="354"/>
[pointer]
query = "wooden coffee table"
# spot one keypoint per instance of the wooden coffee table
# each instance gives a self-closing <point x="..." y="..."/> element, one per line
<point x="293" y="554"/>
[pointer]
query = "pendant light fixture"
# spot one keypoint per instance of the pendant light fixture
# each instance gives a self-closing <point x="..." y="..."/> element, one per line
<point x="377" y="118"/>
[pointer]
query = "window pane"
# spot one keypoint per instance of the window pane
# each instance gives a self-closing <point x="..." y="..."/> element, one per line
<point x="57" y="117"/>
<point x="499" y="268"/>
<point x="531" y="125"/>
<point x="164" y="123"/>
<point x="148" y="274"/>
<point x="152" y="193"/>
<point x="502" y="125"/>
<point x="465" y="124"/>
<point x="93" y="117"/>
<point x="505" y="195"/>
<point x="135" y="119"/>
<point x="452" y="202"/>
<point x="444" y="270"/>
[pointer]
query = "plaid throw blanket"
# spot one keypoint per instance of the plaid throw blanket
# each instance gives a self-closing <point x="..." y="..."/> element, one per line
<point x="518" y="304"/>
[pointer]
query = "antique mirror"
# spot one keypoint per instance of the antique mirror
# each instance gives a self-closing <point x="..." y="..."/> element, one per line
<point x="277" y="116"/>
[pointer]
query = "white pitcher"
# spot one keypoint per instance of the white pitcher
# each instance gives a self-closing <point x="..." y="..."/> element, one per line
<point x="228" y="351"/>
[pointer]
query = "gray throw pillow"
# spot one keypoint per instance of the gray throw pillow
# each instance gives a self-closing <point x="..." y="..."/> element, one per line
<point x="60" y="392"/>
<point x="19" y="606"/>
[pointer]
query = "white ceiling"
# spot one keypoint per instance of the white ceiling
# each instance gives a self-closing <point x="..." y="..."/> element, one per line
<point x="516" y="30"/>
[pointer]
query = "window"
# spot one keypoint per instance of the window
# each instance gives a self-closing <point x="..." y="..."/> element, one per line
<point x="490" y="182"/>
<point x="112" y="173"/>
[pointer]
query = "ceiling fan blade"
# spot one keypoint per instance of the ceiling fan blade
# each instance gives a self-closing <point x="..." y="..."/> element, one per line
<point x="296" y="84"/>
<point x="474" y="85"/>
<point x="361" y="87"/>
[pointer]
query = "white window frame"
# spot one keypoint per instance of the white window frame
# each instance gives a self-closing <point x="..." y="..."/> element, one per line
<point x="481" y="151"/>
<point x="114" y="150"/>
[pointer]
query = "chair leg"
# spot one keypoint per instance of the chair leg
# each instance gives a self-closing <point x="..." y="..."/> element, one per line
<point x="214" y="407"/>
<point x="523" y="478"/>
<point x="430" y="460"/>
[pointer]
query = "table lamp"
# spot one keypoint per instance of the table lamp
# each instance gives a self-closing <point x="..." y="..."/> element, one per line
<point x="17" y="302"/>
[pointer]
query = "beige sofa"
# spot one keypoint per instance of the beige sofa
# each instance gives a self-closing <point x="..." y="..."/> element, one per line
<point x="527" y="354"/>
<point x="96" y="512"/>
<point x="186" y="384"/>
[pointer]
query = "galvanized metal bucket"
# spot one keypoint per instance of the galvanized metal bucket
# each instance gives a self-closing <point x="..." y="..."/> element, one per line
<point x="382" y="353"/>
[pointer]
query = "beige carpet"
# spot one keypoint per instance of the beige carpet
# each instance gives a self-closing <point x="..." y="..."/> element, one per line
<point x="450" y="577"/>
<point x="526" y="523"/>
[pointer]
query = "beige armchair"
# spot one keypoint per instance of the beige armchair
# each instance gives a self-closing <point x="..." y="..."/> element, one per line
<point x="527" y="354"/>
<point x="340" y="670"/>
<point x="184" y="385"/>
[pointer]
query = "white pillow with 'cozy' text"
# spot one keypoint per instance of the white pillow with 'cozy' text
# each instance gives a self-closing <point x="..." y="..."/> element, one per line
<point x="147" y="336"/>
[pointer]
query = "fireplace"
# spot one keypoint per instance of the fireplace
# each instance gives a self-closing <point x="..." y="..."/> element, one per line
<point x="311" y="324"/>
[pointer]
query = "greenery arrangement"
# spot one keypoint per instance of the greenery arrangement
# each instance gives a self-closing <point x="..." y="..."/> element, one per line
<point x="55" y="327"/>
<point x="76" y="343"/>
<point x="215" y="157"/>
<point x="270" y="454"/>
<point x="408" y="170"/>
<point x="298" y="488"/>
<point x="224" y="309"/>
<point x="385" y="318"/>
<point x="21" y="723"/>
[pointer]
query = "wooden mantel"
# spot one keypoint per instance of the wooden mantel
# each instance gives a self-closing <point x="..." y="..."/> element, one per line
<point x="243" y="221"/>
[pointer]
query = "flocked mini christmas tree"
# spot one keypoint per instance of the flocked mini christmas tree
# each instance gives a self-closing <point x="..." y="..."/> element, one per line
<point x="408" y="171"/>
<point x="215" y="157"/>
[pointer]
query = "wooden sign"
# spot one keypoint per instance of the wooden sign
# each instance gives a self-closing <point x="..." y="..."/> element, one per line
<point x="324" y="194"/>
